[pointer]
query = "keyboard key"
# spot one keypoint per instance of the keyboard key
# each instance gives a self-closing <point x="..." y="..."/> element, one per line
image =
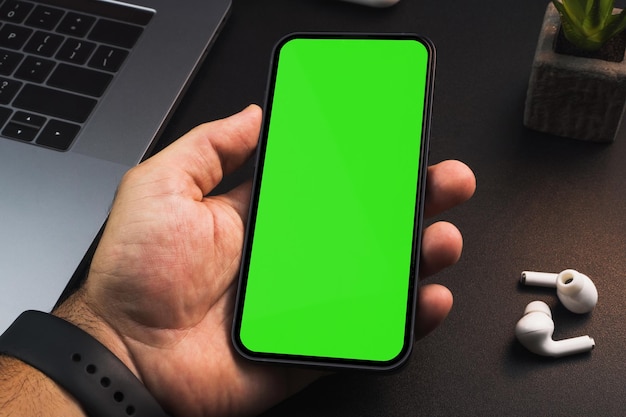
<point x="9" y="60"/>
<point x="108" y="58"/>
<point x="44" y="17"/>
<point x="15" y="11"/>
<point x="19" y="131"/>
<point x="4" y="115"/>
<point x="80" y="80"/>
<point x="28" y="119"/>
<point x="14" y="37"/>
<point x="24" y="126"/>
<point x="76" y="51"/>
<point x="58" y="135"/>
<point x="34" y="69"/>
<point x="43" y="43"/>
<point x="115" y="33"/>
<point x="54" y="103"/>
<point x="76" y="24"/>
<point x="8" y="89"/>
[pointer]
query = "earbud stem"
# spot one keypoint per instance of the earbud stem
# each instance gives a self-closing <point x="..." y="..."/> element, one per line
<point x="539" y="279"/>
<point x="570" y="346"/>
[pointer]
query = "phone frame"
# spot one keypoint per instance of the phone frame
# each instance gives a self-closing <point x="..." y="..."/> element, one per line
<point x="322" y="362"/>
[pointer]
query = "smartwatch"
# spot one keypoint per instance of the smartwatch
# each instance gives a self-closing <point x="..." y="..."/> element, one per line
<point x="83" y="366"/>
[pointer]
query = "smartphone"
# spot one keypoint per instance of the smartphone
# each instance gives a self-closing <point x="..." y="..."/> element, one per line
<point x="330" y="259"/>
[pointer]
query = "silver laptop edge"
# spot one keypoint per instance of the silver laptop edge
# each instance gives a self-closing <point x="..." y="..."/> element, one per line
<point x="53" y="204"/>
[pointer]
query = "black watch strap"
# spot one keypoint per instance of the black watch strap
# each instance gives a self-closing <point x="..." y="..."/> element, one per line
<point x="84" y="367"/>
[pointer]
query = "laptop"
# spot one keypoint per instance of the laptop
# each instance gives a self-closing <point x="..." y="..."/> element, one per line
<point x="86" y="86"/>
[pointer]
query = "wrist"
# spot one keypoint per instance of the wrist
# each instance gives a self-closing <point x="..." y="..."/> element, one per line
<point x="75" y="360"/>
<point x="76" y="311"/>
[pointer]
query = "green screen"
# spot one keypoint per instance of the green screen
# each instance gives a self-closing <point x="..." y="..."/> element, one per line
<point x="330" y="267"/>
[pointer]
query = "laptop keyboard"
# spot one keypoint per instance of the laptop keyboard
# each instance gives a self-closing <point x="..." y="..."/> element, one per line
<point x="57" y="59"/>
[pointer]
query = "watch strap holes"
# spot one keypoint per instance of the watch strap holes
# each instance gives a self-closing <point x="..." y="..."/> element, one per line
<point x="118" y="396"/>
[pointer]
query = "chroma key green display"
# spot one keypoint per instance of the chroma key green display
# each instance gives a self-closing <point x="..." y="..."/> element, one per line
<point x="331" y="255"/>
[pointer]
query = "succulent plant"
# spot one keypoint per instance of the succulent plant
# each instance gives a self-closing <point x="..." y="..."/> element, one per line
<point x="589" y="24"/>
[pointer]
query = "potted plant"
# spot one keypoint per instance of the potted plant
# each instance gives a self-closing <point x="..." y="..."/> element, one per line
<point x="577" y="85"/>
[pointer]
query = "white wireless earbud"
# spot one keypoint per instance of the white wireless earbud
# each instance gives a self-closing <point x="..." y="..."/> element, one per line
<point x="575" y="290"/>
<point x="535" y="330"/>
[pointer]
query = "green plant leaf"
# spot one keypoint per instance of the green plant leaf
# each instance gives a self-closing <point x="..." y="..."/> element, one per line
<point x="616" y="23"/>
<point x="572" y="27"/>
<point x="575" y="9"/>
<point x="578" y="10"/>
<point x="571" y="15"/>
<point x="604" y="11"/>
<point x="589" y="24"/>
<point x="598" y="20"/>
<point x="577" y="37"/>
<point x="592" y="20"/>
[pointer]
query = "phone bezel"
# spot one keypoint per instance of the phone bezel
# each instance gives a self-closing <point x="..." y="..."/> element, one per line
<point x="337" y="363"/>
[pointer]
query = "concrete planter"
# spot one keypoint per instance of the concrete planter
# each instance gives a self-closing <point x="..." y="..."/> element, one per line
<point x="581" y="98"/>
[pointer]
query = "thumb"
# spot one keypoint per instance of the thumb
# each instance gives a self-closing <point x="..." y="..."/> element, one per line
<point x="209" y="151"/>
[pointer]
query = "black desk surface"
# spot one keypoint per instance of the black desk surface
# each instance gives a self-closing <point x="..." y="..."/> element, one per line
<point x="543" y="203"/>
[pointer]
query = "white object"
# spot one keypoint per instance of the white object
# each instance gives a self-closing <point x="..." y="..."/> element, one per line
<point x="374" y="3"/>
<point x="575" y="290"/>
<point x="539" y="279"/>
<point x="534" y="330"/>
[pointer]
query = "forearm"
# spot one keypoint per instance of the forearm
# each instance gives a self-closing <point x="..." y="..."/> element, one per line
<point x="24" y="391"/>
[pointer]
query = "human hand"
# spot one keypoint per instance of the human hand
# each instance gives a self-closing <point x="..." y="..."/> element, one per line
<point x="161" y="288"/>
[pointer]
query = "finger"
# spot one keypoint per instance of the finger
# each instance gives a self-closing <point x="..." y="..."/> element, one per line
<point x="442" y="245"/>
<point x="211" y="150"/>
<point x="448" y="184"/>
<point x="238" y="198"/>
<point x="434" y="303"/>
